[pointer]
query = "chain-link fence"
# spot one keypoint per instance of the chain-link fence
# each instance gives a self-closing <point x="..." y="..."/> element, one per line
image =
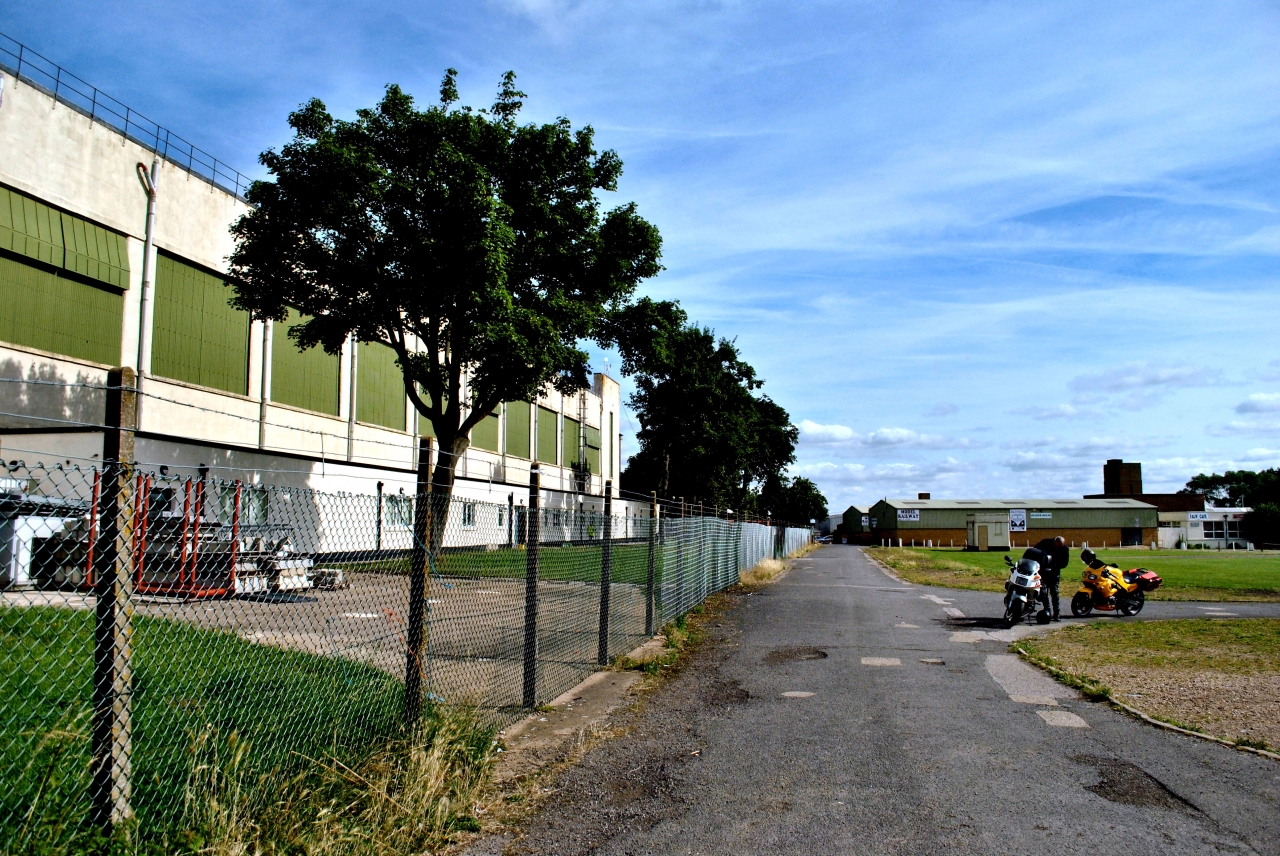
<point x="142" y="611"/>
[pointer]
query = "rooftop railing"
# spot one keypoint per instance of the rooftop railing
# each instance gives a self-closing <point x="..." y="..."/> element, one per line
<point x="32" y="69"/>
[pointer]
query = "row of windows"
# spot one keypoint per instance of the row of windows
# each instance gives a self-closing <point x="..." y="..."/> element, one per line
<point x="61" y="282"/>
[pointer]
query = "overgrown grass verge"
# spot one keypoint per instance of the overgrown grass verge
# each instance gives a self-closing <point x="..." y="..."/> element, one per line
<point x="256" y="732"/>
<point x="1188" y="574"/>
<point x="1218" y="677"/>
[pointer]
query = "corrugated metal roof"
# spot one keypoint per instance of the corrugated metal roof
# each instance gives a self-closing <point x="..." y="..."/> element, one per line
<point x="980" y="504"/>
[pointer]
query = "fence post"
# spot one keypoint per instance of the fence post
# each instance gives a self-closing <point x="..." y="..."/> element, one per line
<point x="113" y="630"/>
<point x="533" y="527"/>
<point x="378" y="539"/>
<point x="680" y="536"/>
<point x="511" y="520"/>
<point x="606" y="573"/>
<point x="649" y="628"/>
<point x="422" y="524"/>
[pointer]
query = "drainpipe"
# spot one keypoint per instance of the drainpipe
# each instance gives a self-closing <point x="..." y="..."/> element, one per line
<point x="148" y="248"/>
<point x="351" y="398"/>
<point x="264" y="389"/>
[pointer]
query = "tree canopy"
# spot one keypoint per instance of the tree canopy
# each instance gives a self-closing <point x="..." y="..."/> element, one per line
<point x="475" y="247"/>
<point x="706" y="433"/>
<point x="1237" y="488"/>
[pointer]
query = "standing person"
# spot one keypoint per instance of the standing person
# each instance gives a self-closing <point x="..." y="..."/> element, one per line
<point x="1051" y="574"/>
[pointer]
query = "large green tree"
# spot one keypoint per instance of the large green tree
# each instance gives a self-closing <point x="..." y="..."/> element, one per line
<point x="795" y="501"/>
<point x="705" y="432"/>
<point x="1237" y="487"/>
<point x="473" y="246"/>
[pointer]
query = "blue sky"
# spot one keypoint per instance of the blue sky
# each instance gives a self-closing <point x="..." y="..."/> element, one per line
<point x="974" y="248"/>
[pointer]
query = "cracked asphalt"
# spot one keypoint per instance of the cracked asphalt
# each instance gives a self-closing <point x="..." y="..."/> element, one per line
<point x="841" y="711"/>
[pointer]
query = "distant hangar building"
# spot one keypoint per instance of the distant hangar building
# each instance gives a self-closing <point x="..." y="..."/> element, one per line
<point x="1000" y="524"/>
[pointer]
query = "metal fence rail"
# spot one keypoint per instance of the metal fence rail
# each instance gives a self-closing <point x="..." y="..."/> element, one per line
<point x="32" y="69"/>
<point x="141" y="613"/>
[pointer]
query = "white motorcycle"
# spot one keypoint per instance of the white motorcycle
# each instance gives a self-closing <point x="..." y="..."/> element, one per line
<point x="1022" y="592"/>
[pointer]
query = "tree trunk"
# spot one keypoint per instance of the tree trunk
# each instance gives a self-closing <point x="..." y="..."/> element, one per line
<point x="430" y="517"/>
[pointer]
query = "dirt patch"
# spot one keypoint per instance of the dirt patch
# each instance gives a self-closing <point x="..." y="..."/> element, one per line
<point x="791" y="655"/>
<point x="1122" y="782"/>
<point x="720" y="693"/>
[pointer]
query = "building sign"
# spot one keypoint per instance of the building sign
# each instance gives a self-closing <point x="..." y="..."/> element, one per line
<point x="866" y="521"/>
<point x="1017" y="520"/>
<point x="1041" y="515"/>
<point x="908" y="514"/>
<point x="1197" y="515"/>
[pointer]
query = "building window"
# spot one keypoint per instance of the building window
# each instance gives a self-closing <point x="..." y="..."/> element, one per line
<point x="198" y="336"/>
<point x="304" y="379"/>
<point x="468" y="515"/>
<point x="400" y="510"/>
<point x="1215" y="529"/>
<point x="379" y="387"/>
<point x="253" y="505"/>
<point x="502" y="517"/>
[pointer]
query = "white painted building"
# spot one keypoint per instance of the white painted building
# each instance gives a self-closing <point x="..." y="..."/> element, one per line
<point x="219" y="389"/>
<point x="1213" y="528"/>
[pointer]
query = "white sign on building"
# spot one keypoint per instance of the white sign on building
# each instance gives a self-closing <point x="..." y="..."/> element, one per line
<point x="1017" y="520"/>
<point x="908" y="514"/>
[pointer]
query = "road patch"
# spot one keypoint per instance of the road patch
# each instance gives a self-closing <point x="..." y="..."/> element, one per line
<point x="1062" y="719"/>
<point x="933" y="661"/>
<point x="910" y="626"/>
<point x="797" y="694"/>
<point x="953" y="612"/>
<point x="881" y="661"/>
<point x="1020" y="680"/>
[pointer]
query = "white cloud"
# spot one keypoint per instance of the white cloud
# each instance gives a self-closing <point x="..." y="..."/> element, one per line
<point x="1139" y="385"/>
<point x="1238" y="427"/>
<point x="1260" y="402"/>
<point x="816" y="434"/>
<point x="824" y="435"/>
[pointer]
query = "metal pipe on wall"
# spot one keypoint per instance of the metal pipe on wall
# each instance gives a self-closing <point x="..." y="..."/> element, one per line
<point x="148" y="180"/>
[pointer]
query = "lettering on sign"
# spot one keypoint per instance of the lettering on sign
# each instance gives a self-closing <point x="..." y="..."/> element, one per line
<point x="1017" y="520"/>
<point x="1041" y="515"/>
<point x="1197" y="515"/>
<point x="908" y="514"/>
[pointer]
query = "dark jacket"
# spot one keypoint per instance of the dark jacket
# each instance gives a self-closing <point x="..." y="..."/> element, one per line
<point x="1059" y="557"/>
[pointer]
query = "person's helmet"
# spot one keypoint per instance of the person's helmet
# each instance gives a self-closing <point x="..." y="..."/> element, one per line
<point x="1087" y="556"/>
<point x="1028" y="567"/>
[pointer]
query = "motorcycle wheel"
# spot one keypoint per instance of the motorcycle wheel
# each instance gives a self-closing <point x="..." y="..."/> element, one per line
<point x="1133" y="603"/>
<point x="1081" y="604"/>
<point x="1013" y="614"/>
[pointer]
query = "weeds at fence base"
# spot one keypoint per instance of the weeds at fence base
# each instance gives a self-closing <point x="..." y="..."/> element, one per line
<point x="765" y="571"/>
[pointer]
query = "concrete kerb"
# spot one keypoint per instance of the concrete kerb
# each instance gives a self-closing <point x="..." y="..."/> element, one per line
<point x="543" y="736"/>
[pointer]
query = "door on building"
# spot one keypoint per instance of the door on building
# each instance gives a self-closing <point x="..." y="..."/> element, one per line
<point x="1130" y="536"/>
<point x="983" y="538"/>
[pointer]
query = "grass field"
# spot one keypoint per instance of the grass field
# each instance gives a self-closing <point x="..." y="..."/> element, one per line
<point x="1187" y="574"/>
<point x="188" y="682"/>
<point x="1219" y="676"/>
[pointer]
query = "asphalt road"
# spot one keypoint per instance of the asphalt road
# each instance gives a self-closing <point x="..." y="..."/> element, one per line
<point x="842" y="712"/>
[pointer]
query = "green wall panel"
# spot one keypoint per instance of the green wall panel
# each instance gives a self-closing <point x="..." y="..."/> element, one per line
<point x="425" y="428"/>
<point x="547" y="436"/>
<point x="95" y="252"/>
<point x="572" y="440"/>
<point x="613" y="441"/>
<point x="43" y="310"/>
<point x="485" y="435"/>
<point x="518" y="416"/>
<point x="30" y="228"/>
<point x="380" y="394"/>
<point x="306" y="379"/>
<point x="197" y="335"/>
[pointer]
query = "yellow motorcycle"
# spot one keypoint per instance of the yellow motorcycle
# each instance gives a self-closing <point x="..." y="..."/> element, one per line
<point x="1106" y="588"/>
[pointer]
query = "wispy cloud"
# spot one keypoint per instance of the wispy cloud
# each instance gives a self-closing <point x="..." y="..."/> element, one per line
<point x="1260" y="402"/>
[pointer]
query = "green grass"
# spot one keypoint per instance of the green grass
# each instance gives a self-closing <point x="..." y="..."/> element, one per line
<point x="1188" y="574"/>
<point x="188" y="682"/>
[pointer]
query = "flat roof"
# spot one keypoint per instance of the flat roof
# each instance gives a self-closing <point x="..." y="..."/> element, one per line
<point x="1015" y="503"/>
